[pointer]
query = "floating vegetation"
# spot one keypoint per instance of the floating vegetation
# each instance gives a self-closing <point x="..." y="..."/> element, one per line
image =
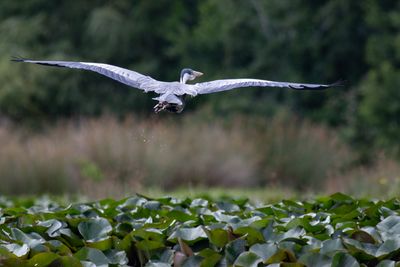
<point x="140" y="231"/>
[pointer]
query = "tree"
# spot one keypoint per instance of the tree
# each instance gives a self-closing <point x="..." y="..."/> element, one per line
<point x="380" y="104"/>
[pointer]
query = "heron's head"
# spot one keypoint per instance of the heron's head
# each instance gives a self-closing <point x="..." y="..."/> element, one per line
<point x="189" y="75"/>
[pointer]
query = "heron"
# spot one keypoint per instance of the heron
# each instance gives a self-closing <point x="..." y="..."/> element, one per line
<point x="172" y="96"/>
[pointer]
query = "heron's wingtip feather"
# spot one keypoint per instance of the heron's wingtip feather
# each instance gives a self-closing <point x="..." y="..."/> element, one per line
<point x="17" y="59"/>
<point x="340" y="82"/>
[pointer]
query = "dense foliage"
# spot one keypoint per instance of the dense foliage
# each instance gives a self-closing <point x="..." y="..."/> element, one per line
<point x="106" y="157"/>
<point x="314" y="41"/>
<point x="140" y="231"/>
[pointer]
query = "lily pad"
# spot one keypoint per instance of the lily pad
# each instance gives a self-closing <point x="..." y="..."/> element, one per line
<point x="95" y="229"/>
<point x="248" y="259"/>
<point x="188" y="234"/>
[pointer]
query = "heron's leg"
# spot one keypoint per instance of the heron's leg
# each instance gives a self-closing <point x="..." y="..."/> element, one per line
<point x="160" y="106"/>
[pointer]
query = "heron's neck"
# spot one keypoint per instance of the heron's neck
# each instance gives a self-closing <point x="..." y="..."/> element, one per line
<point x="184" y="79"/>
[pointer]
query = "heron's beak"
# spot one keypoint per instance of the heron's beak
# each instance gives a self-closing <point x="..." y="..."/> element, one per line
<point x="197" y="73"/>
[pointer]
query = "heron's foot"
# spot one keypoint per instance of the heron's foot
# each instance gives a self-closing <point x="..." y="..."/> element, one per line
<point x="160" y="106"/>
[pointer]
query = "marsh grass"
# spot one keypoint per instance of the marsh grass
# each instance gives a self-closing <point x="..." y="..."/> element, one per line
<point x="379" y="180"/>
<point x="300" y="154"/>
<point x="107" y="157"/>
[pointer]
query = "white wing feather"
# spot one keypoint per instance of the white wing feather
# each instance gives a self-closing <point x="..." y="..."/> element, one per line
<point x="167" y="89"/>
<point x="229" y="84"/>
<point x="128" y="77"/>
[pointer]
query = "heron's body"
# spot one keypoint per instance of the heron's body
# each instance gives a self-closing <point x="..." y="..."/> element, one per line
<point x="172" y="95"/>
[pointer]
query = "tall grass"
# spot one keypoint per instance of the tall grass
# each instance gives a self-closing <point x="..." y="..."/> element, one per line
<point x="100" y="157"/>
<point x="300" y="154"/>
<point x="381" y="179"/>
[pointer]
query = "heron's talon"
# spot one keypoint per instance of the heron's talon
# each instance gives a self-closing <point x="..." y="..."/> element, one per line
<point x="160" y="106"/>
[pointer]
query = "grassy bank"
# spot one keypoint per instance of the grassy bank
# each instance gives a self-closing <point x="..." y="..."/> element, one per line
<point x="106" y="157"/>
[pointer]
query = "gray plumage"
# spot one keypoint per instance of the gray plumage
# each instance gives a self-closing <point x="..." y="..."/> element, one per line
<point x="229" y="84"/>
<point x="172" y="94"/>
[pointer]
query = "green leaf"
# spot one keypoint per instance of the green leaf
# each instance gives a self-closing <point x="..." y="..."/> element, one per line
<point x="304" y="222"/>
<point x="152" y="205"/>
<point x="101" y="245"/>
<point x="227" y="206"/>
<point x="389" y="246"/>
<point x="363" y="236"/>
<point x="116" y="257"/>
<point x="218" y="236"/>
<point x="346" y="210"/>
<point x="248" y="259"/>
<point x="167" y="255"/>
<point x="151" y="234"/>
<point x="32" y="239"/>
<point x="288" y="264"/>
<point x="71" y="238"/>
<point x="389" y="228"/>
<point x="157" y="264"/>
<point x="194" y="261"/>
<point x="282" y="255"/>
<point x="42" y="259"/>
<point x="17" y="250"/>
<point x="211" y="257"/>
<point x="264" y="251"/>
<point x="198" y="202"/>
<point x="180" y="216"/>
<point x="95" y="229"/>
<point x="295" y="233"/>
<point x="315" y="259"/>
<point x="5" y="253"/>
<point x="53" y="227"/>
<point x="331" y="247"/>
<point x="245" y="222"/>
<point x="251" y="235"/>
<point x="148" y="239"/>
<point x="373" y="234"/>
<point x="365" y="251"/>
<point x="340" y="197"/>
<point x="386" y="263"/>
<point x="188" y="234"/>
<point x="342" y="259"/>
<point x="234" y="249"/>
<point x="92" y="255"/>
<point x="69" y="261"/>
<point x="149" y="245"/>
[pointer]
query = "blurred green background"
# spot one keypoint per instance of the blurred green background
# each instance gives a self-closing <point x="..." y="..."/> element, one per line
<point x="69" y="131"/>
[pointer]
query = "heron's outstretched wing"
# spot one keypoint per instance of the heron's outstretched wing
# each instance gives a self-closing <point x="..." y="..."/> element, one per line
<point x="223" y="85"/>
<point x="128" y="77"/>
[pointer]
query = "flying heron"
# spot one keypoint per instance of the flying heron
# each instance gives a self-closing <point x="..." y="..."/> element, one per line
<point x="172" y="95"/>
